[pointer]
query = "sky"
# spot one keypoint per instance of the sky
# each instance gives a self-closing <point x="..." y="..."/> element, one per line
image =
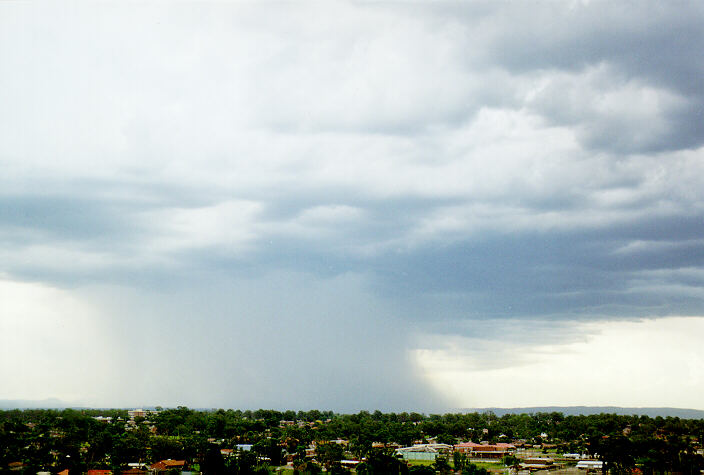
<point x="408" y="206"/>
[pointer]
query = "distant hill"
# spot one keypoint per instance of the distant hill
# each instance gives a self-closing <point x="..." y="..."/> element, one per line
<point x="54" y="403"/>
<point x="51" y="403"/>
<point x="588" y="410"/>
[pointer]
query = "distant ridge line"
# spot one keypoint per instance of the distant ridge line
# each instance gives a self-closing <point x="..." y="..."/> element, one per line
<point x="682" y="413"/>
<point x="590" y="410"/>
<point x="49" y="403"/>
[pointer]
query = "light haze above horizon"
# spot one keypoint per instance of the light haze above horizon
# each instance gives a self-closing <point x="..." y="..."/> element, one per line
<point x="408" y="206"/>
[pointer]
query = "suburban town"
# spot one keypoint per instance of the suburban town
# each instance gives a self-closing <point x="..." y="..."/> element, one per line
<point x="186" y="441"/>
<point x="374" y="237"/>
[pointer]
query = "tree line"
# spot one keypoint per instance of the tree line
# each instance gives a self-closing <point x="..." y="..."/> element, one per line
<point x="36" y="440"/>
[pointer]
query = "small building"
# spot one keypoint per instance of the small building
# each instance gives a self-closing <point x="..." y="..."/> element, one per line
<point x="423" y="451"/>
<point x="138" y="465"/>
<point x="486" y="451"/>
<point x="409" y="455"/>
<point x="590" y="464"/>
<point x="166" y="465"/>
<point x="226" y="452"/>
<point x="136" y="413"/>
<point x="539" y="461"/>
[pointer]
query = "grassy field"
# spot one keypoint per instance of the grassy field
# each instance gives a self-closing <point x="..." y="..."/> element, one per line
<point x="491" y="466"/>
<point x="421" y="462"/>
<point x="487" y="465"/>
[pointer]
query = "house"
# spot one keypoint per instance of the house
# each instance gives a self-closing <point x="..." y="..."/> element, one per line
<point x="135" y="468"/>
<point x="99" y="472"/>
<point x="389" y="445"/>
<point x="15" y="466"/>
<point x="226" y="452"/>
<point x="166" y="465"/>
<point x="486" y="451"/>
<point x="136" y="413"/>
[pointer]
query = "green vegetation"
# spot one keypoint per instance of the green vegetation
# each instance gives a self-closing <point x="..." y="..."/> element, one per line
<point x="78" y="440"/>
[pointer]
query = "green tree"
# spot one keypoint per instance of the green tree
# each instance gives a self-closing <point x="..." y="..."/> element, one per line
<point x="421" y="470"/>
<point x="441" y="465"/>
<point x="328" y="454"/>
<point x="459" y="460"/>
<point x="512" y="462"/>
<point x="617" y="454"/>
<point x="472" y="469"/>
<point x="270" y="449"/>
<point x="307" y="468"/>
<point x="379" y="463"/>
<point x="213" y="461"/>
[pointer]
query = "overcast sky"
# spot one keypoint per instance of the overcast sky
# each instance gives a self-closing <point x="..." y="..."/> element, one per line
<point x="352" y="205"/>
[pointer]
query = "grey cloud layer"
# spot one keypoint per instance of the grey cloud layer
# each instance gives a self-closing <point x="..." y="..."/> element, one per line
<point x="464" y="162"/>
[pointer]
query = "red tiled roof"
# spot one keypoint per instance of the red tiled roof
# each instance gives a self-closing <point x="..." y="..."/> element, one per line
<point x="500" y="445"/>
<point x="468" y="444"/>
<point x="167" y="464"/>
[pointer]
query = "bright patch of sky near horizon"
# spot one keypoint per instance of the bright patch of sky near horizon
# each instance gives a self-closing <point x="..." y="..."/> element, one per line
<point x="627" y="363"/>
<point x="344" y="205"/>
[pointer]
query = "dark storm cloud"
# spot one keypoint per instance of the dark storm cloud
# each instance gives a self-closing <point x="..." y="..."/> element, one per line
<point x="652" y="40"/>
<point x="557" y="276"/>
<point x="650" y="44"/>
<point x="61" y="217"/>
